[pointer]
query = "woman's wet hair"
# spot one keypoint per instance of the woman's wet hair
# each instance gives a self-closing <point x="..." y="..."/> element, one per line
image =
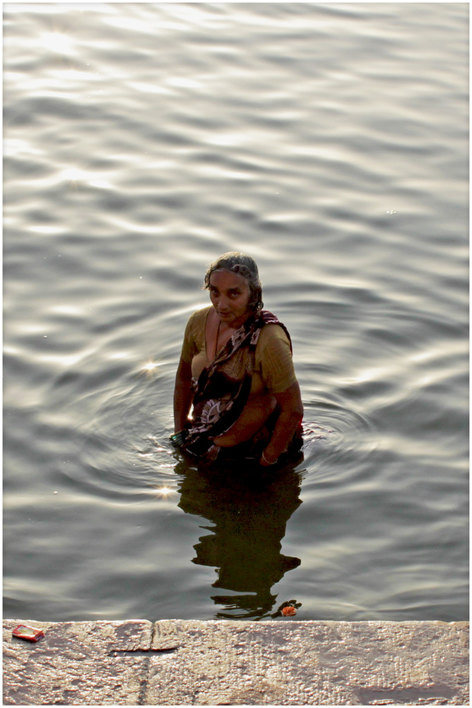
<point x="242" y="265"/>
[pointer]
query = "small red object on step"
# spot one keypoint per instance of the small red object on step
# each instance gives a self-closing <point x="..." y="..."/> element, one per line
<point x="29" y="633"/>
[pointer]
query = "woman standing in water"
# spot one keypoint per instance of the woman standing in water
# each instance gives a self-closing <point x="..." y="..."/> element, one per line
<point x="236" y="371"/>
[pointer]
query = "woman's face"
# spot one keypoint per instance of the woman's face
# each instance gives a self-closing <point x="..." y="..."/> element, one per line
<point x="230" y="295"/>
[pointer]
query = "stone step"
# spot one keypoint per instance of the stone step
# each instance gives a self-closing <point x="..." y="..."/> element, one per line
<point x="192" y="662"/>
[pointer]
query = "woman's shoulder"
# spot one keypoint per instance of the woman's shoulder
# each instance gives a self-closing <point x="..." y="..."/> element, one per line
<point x="273" y="332"/>
<point x="200" y="315"/>
<point x="194" y="337"/>
<point x="197" y="321"/>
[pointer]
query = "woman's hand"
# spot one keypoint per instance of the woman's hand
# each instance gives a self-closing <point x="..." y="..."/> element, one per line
<point x="266" y="461"/>
<point x="178" y="439"/>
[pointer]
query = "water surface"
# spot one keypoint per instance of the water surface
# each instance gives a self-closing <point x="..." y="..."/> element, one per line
<point x="329" y="142"/>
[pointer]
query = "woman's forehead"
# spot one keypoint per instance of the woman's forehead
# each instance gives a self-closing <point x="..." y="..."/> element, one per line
<point x="226" y="279"/>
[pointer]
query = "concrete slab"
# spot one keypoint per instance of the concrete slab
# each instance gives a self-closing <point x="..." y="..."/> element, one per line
<point x="300" y="663"/>
<point x="181" y="662"/>
<point x="75" y="663"/>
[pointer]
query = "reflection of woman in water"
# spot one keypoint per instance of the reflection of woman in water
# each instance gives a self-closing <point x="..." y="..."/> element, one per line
<point x="248" y="518"/>
<point x="236" y="370"/>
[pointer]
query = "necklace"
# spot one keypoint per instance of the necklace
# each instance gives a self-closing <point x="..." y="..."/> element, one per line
<point x="217" y="338"/>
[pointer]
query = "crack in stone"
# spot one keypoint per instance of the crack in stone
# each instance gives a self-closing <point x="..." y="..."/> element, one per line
<point x="146" y="670"/>
<point x="147" y="653"/>
<point x="143" y="652"/>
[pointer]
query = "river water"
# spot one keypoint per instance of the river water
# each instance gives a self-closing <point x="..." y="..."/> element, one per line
<point x="329" y="141"/>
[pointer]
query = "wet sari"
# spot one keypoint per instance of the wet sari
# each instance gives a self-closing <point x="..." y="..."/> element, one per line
<point x="222" y="390"/>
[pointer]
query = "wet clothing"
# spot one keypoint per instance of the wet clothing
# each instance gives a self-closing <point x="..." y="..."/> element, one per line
<point x="273" y="367"/>
<point x="256" y="359"/>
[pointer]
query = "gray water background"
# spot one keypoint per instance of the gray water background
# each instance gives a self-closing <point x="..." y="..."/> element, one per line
<point x="331" y="143"/>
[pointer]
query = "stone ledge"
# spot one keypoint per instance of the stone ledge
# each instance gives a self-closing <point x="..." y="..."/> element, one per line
<point x="191" y="662"/>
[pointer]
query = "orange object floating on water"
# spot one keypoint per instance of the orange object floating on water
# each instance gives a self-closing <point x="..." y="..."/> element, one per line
<point x="288" y="611"/>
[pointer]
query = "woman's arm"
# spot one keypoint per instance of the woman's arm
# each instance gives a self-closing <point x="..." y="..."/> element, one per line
<point x="291" y="414"/>
<point x="183" y="395"/>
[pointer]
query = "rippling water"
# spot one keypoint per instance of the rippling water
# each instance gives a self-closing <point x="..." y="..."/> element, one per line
<point x="328" y="141"/>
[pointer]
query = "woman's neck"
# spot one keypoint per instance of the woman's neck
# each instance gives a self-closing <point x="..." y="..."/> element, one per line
<point x="232" y="325"/>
